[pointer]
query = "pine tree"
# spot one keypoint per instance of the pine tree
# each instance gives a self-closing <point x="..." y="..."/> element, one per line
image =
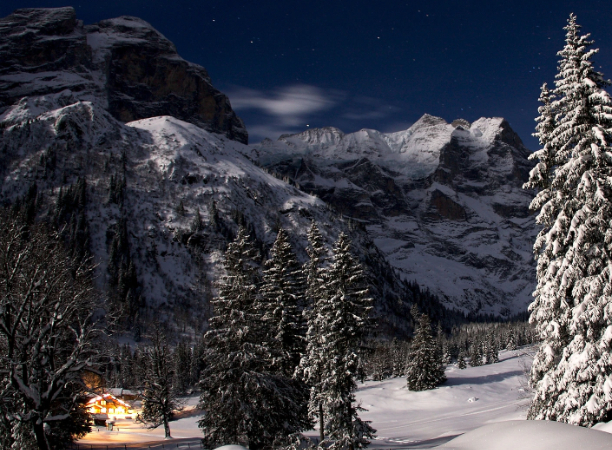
<point x="511" y="341"/>
<point x="476" y="353"/>
<point x="338" y="323"/>
<point x="571" y="369"/>
<point x="346" y="311"/>
<point x="461" y="360"/>
<point x="312" y="364"/>
<point x="244" y="398"/>
<point x="282" y="302"/>
<point x="425" y="366"/>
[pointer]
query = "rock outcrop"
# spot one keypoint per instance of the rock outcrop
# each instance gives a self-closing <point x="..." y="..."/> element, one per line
<point x="123" y="63"/>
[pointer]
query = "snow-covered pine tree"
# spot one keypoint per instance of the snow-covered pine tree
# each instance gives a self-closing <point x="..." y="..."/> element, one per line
<point x="491" y="352"/>
<point x="312" y="364"/>
<point x="511" y="341"/>
<point x="338" y="322"/>
<point x="245" y="401"/>
<point x="461" y="360"/>
<point x="346" y="311"/>
<point x="282" y="302"/>
<point x="425" y="368"/>
<point x="476" y="352"/>
<point x="571" y="370"/>
<point x="495" y="351"/>
<point x="159" y="394"/>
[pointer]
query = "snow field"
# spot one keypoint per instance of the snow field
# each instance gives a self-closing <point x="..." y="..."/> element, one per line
<point x="469" y="399"/>
<point x="487" y="403"/>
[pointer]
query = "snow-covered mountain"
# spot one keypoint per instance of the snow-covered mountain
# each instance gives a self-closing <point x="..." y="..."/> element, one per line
<point x="166" y="187"/>
<point x="123" y="64"/>
<point x="159" y="146"/>
<point x="442" y="201"/>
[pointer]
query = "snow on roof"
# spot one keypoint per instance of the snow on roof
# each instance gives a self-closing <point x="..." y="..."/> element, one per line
<point x="107" y="397"/>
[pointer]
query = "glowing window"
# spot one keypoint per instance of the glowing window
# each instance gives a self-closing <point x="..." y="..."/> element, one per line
<point x="103" y="402"/>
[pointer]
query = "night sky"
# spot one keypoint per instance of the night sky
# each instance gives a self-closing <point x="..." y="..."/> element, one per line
<point x="288" y="65"/>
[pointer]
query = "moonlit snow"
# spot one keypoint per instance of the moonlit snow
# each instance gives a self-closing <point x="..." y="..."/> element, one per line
<point x="430" y="419"/>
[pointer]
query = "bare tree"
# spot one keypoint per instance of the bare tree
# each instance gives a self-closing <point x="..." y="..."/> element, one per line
<point x="46" y="335"/>
<point x="159" y="394"/>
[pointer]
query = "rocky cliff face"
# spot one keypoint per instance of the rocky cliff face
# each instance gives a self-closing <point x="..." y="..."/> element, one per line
<point x="123" y="64"/>
<point x="442" y="201"/>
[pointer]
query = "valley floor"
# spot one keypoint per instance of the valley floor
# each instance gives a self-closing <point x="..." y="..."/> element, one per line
<point x="471" y="398"/>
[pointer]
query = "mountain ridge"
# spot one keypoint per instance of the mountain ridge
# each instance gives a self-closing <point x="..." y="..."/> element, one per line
<point x="436" y="190"/>
<point x="101" y="114"/>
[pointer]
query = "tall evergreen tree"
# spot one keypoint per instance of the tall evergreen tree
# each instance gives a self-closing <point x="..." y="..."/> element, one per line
<point x="461" y="360"/>
<point x="476" y="352"/>
<point x="312" y="364"/>
<point x="244" y="398"/>
<point x="342" y="318"/>
<point x="425" y="366"/>
<point x="572" y="367"/>
<point x="282" y="302"/>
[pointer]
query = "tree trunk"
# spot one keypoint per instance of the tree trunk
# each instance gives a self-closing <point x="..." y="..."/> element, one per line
<point x="167" y="428"/>
<point x="41" y="438"/>
<point x="321" y="424"/>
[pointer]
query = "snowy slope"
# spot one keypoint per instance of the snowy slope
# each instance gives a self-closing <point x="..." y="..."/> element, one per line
<point x="469" y="399"/>
<point x="531" y="435"/>
<point x="52" y="140"/>
<point x="443" y="202"/>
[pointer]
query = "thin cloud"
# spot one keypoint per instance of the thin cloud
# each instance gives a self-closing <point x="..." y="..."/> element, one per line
<point x="290" y="105"/>
<point x="295" y="108"/>
<point x="368" y="108"/>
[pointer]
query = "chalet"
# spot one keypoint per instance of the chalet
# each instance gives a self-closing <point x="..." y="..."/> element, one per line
<point x="107" y="406"/>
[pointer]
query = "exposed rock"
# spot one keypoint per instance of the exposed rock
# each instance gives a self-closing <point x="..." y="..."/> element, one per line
<point x="446" y="207"/>
<point x="123" y="63"/>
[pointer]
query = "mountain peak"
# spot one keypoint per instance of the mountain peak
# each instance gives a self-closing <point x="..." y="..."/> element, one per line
<point x="56" y="21"/>
<point x="323" y="136"/>
<point x="428" y="120"/>
<point x="123" y="64"/>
